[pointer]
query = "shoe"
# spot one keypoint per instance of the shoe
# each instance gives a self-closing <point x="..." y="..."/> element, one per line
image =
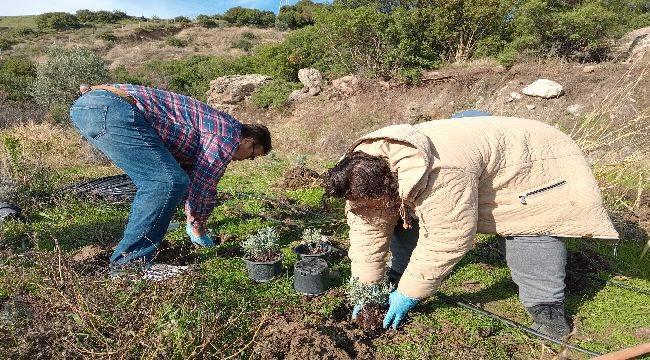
<point x="549" y="319"/>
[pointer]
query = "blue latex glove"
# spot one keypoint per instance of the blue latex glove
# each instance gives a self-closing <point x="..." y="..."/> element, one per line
<point x="399" y="304"/>
<point x="204" y="240"/>
<point x="355" y="311"/>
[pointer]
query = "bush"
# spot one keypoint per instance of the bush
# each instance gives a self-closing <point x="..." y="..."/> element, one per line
<point x="16" y="77"/>
<point x="182" y="20"/>
<point x="174" y="41"/>
<point x="299" y="15"/>
<point x="57" y="21"/>
<point x="205" y="21"/>
<point x="101" y="16"/>
<point x="273" y="94"/>
<point x="21" y="31"/>
<point x="6" y="43"/>
<point x="242" y="44"/>
<point x="107" y="35"/>
<point x="59" y="77"/>
<point x="240" y="16"/>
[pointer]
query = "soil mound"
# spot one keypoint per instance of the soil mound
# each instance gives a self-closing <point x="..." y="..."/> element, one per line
<point x="287" y="338"/>
<point x="300" y="177"/>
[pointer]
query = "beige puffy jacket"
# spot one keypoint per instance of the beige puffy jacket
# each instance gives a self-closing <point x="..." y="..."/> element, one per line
<point x="493" y="175"/>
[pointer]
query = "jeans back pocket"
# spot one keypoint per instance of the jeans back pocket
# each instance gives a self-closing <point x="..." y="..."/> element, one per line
<point x="89" y="120"/>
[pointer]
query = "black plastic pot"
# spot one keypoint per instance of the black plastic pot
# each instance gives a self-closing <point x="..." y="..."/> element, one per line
<point x="8" y="211"/>
<point x="311" y="276"/>
<point x="303" y="251"/>
<point x="264" y="271"/>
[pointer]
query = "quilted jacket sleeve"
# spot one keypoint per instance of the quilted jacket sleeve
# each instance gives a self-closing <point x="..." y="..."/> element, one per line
<point x="448" y="220"/>
<point x="370" y="231"/>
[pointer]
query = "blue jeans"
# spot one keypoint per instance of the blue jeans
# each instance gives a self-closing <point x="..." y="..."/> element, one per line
<point x="119" y="130"/>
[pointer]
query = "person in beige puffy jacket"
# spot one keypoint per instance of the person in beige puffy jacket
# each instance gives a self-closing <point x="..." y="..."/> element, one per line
<point x="443" y="181"/>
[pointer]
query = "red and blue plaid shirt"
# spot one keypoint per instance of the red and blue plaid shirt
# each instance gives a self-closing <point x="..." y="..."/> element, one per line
<point x="202" y="139"/>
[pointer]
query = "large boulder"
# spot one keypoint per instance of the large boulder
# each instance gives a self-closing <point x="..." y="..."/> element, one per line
<point x="544" y="88"/>
<point x="310" y="78"/>
<point x="634" y="45"/>
<point x="228" y="90"/>
<point x="347" y="84"/>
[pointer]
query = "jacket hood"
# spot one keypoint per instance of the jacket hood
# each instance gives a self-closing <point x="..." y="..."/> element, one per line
<point x="418" y="168"/>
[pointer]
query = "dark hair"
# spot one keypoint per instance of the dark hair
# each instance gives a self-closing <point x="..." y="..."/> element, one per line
<point x="361" y="176"/>
<point x="259" y="133"/>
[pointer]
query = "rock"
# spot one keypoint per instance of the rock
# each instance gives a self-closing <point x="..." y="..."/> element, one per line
<point x="544" y="88"/>
<point x="589" y="69"/>
<point x="311" y="78"/>
<point x="530" y="107"/>
<point x="514" y="96"/>
<point x="298" y="95"/>
<point x="8" y="211"/>
<point x="313" y="91"/>
<point x="349" y="84"/>
<point x="233" y="89"/>
<point x="633" y="45"/>
<point x="575" y="109"/>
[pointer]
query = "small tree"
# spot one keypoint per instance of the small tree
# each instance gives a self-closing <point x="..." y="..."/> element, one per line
<point x="262" y="246"/>
<point x="57" y="21"/>
<point x="59" y="77"/>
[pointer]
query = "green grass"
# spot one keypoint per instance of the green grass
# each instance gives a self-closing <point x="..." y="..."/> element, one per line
<point x="218" y="309"/>
<point x="16" y="21"/>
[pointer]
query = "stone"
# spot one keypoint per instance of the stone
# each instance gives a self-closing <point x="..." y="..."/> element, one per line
<point x="530" y="107"/>
<point x="544" y="88"/>
<point x="575" y="109"/>
<point x="298" y="95"/>
<point x="313" y="91"/>
<point x="633" y="46"/>
<point x="233" y="89"/>
<point x="310" y="78"/>
<point x="350" y="83"/>
<point x="514" y="96"/>
<point x="589" y="69"/>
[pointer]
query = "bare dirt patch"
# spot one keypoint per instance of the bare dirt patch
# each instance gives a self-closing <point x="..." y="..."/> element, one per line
<point x="300" y="177"/>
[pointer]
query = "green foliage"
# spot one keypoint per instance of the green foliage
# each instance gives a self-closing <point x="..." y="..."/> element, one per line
<point x="17" y="75"/>
<point x="102" y="16"/>
<point x="6" y="43"/>
<point x="174" y="41"/>
<point x="21" y="31"/>
<point x="182" y="20"/>
<point x="59" y="77"/>
<point x="242" y="44"/>
<point x="249" y="36"/>
<point x="205" y="21"/>
<point x="367" y="294"/>
<point x="299" y="15"/>
<point x="273" y="94"/>
<point x="262" y="245"/>
<point x="57" y="21"/>
<point x="107" y="35"/>
<point x="240" y="16"/>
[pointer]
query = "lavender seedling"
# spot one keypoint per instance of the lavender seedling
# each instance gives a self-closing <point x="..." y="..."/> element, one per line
<point x="262" y="246"/>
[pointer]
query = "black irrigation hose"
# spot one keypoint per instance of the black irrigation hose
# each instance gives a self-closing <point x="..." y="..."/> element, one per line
<point x="514" y="324"/>
<point x="613" y="283"/>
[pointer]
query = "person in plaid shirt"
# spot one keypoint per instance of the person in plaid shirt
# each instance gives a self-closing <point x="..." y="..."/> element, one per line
<point x="173" y="147"/>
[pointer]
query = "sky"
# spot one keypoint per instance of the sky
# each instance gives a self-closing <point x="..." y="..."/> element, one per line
<point x="148" y="8"/>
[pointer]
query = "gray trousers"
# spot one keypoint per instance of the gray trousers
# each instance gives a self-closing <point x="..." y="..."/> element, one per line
<point x="537" y="263"/>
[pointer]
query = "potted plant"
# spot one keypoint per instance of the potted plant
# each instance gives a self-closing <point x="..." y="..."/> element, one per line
<point x="310" y="276"/>
<point x="313" y="244"/>
<point x="374" y="301"/>
<point x="262" y="255"/>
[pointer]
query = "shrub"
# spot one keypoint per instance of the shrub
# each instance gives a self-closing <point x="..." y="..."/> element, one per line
<point x="242" y="44"/>
<point x="101" y="16"/>
<point x="59" y="77"/>
<point x="263" y="245"/>
<point x="240" y="16"/>
<point x="182" y="20"/>
<point x="174" y="41"/>
<point x="21" y="31"/>
<point x="17" y="75"/>
<point x="299" y="15"/>
<point x="107" y="35"/>
<point x="205" y="21"/>
<point x="273" y="94"/>
<point x="6" y="43"/>
<point x="57" y="21"/>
